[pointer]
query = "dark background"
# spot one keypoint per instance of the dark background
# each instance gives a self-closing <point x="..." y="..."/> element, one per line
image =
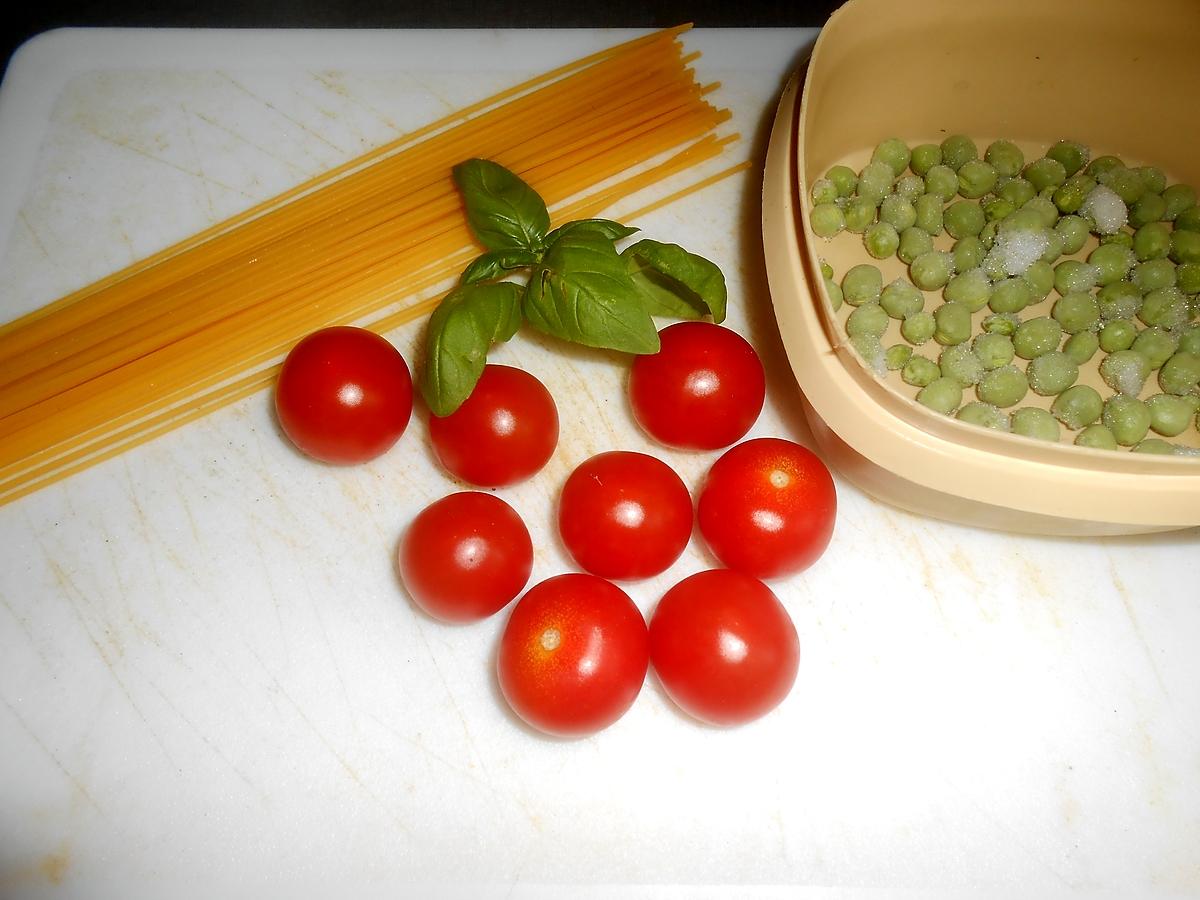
<point x="41" y="15"/>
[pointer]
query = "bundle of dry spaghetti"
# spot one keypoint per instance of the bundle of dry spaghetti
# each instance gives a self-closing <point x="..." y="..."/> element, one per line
<point x="207" y="321"/>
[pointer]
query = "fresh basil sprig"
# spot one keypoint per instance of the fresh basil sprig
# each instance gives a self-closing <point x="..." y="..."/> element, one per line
<point x="580" y="288"/>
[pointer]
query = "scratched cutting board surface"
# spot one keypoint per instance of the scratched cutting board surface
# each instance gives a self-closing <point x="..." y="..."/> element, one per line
<point x="212" y="683"/>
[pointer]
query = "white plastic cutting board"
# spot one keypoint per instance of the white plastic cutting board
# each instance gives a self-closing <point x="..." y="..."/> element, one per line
<point x="212" y="684"/>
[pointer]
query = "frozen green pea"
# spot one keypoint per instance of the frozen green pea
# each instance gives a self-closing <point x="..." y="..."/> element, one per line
<point x="1155" y="446"/>
<point x="1018" y="192"/>
<point x="1189" y="339"/>
<point x="859" y="214"/>
<point x="1150" y="208"/>
<point x="930" y="271"/>
<point x="1081" y="347"/>
<point x="1074" y="232"/>
<point x="1187" y="277"/>
<point x="942" y="182"/>
<point x="875" y="181"/>
<point x="1002" y="323"/>
<point x="898" y="212"/>
<point x="1003" y="387"/>
<point x="958" y="149"/>
<point x="881" y="240"/>
<point x="1170" y="415"/>
<point x="941" y="395"/>
<point x="913" y="242"/>
<point x="918" y="328"/>
<point x="861" y="284"/>
<point x="1165" y="307"/>
<point x="993" y="350"/>
<point x="833" y="291"/>
<point x="1117" y="334"/>
<point x="1045" y="173"/>
<point x="870" y="349"/>
<point x="1124" y="238"/>
<point x="925" y="157"/>
<point x="963" y="218"/>
<point x="983" y="415"/>
<point x="1188" y="220"/>
<point x="975" y="178"/>
<point x="1076" y="312"/>
<point x="1152" y="275"/>
<point x="1072" y="155"/>
<point x="823" y="191"/>
<point x="1125" y="183"/>
<point x="844" y="179"/>
<point x="896" y="356"/>
<point x="1054" y="246"/>
<point x="1180" y="374"/>
<point x="1032" y="422"/>
<point x="894" y="153"/>
<point x="901" y="299"/>
<point x="968" y="253"/>
<point x="929" y="214"/>
<point x="1179" y="198"/>
<point x="1119" y="300"/>
<point x="961" y="364"/>
<point x="1097" y="436"/>
<point x="827" y="220"/>
<point x="1010" y="295"/>
<point x="910" y="187"/>
<point x="1078" y="406"/>
<point x="1035" y="337"/>
<point x="1069" y="197"/>
<point x="1185" y="247"/>
<point x="1125" y="371"/>
<point x="1152" y="241"/>
<point x="1045" y="211"/>
<point x="1112" y="261"/>
<point x="1072" y="275"/>
<point x="953" y="322"/>
<point x="1153" y="178"/>
<point x="1156" y="346"/>
<point x="826" y="270"/>
<point x="971" y="288"/>
<point x="1006" y="158"/>
<point x="1127" y="418"/>
<point x="1102" y="164"/>
<point x="1052" y="373"/>
<point x="997" y="209"/>
<point x="1040" y="278"/>
<point x="868" y="319"/>
<point x="920" y="371"/>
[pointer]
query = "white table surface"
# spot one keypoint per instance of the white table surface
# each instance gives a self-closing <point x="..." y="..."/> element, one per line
<point x="212" y="683"/>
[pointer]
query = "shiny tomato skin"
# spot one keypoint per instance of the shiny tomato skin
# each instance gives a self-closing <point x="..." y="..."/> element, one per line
<point x="767" y="508"/>
<point x="502" y="434"/>
<point x="702" y="390"/>
<point x="344" y="395"/>
<point x="573" y="655"/>
<point x="465" y="557"/>
<point x="723" y="647"/>
<point x="625" y="515"/>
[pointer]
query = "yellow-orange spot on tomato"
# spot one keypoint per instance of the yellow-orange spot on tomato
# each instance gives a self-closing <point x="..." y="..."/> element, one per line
<point x="779" y="479"/>
<point x="551" y="639"/>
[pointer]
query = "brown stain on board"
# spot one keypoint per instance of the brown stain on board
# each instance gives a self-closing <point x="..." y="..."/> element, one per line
<point x="50" y="869"/>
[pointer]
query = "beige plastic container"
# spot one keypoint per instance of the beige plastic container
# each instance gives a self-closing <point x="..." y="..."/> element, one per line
<point x="1118" y="76"/>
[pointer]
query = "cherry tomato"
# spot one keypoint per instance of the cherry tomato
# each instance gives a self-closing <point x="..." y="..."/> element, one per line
<point x="344" y="395"/>
<point x="573" y="656"/>
<point x="767" y="508"/>
<point x="465" y="556"/>
<point x="625" y="515"/>
<point x="702" y="390"/>
<point x="503" y="433"/>
<point x="724" y="647"/>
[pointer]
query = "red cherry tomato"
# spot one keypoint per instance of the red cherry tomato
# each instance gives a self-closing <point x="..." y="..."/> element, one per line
<point x="573" y="655"/>
<point x="344" y="395"/>
<point x="724" y="647"/>
<point x="625" y="515"/>
<point x="767" y="508"/>
<point x="503" y="433"/>
<point x="465" y="556"/>
<point x="702" y="390"/>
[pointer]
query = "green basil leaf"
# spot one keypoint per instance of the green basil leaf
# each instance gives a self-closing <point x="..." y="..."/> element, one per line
<point x="614" y="231"/>
<point x="581" y="292"/>
<point x="496" y="264"/>
<point x="504" y="212"/>
<point x="461" y="330"/>
<point x="661" y="270"/>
